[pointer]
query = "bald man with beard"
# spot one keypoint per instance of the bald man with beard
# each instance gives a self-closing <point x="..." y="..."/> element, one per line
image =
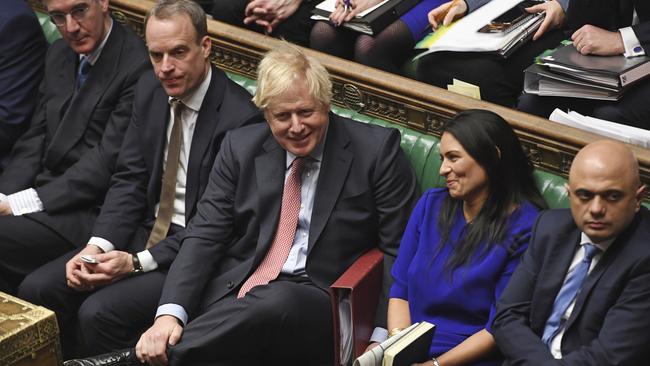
<point x="581" y="295"/>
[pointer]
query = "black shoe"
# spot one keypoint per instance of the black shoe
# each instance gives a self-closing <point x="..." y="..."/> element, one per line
<point x="125" y="357"/>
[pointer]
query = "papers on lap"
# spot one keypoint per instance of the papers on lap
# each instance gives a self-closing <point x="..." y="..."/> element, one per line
<point x="370" y="21"/>
<point x="464" y="36"/>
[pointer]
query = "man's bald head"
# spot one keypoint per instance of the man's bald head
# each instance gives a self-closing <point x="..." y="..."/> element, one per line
<point x="604" y="189"/>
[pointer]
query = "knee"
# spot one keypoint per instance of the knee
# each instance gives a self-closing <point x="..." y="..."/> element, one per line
<point x="36" y="289"/>
<point x="92" y="311"/>
<point x="365" y="50"/>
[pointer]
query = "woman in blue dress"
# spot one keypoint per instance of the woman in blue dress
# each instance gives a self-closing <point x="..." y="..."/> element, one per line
<point x="463" y="242"/>
<point x="387" y="50"/>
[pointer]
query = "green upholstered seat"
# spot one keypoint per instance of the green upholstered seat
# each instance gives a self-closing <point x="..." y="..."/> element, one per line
<point x="49" y="29"/>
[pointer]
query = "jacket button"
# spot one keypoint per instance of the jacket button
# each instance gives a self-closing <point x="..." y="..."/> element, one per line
<point x="230" y="285"/>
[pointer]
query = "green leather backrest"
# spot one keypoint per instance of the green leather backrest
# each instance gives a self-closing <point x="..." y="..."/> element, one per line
<point x="49" y="29"/>
<point x="423" y="152"/>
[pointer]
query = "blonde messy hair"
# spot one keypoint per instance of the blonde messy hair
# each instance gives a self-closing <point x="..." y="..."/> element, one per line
<point x="282" y="67"/>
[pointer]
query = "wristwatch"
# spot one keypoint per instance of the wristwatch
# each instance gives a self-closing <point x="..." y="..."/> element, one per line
<point x="137" y="266"/>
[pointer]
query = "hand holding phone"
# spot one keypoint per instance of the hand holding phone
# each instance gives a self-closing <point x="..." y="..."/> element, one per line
<point x="89" y="259"/>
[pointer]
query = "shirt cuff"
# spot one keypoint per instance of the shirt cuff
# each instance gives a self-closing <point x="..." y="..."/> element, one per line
<point x="379" y="335"/>
<point x="25" y="202"/>
<point x="3" y="197"/>
<point x="174" y="310"/>
<point x="102" y="243"/>
<point x="147" y="261"/>
<point x="631" y="42"/>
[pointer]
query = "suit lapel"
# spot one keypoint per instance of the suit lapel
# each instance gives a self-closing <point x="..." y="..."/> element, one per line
<point x="154" y="134"/>
<point x="333" y="175"/>
<point x="269" y="172"/>
<point x="76" y="117"/>
<point x="207" y="126"/>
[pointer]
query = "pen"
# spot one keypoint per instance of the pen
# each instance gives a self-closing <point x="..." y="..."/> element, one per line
<point x="346" y="5"/>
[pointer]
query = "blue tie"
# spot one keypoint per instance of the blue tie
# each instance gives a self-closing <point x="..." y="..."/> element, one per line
<point x="567" y="293"/>
<point x="82" y="73"/>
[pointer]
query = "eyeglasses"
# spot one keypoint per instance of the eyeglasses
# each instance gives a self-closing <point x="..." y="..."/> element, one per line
<point x="78" y="13"/>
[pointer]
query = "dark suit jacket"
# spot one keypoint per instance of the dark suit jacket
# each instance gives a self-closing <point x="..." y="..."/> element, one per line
<point x="135" y="187"/>
<point x="366" y="189"/>
<point x="609" y="323"/>
<point x="611" y="15"/>
<point x="68" y="155"/>
<point x="21" y="69"/>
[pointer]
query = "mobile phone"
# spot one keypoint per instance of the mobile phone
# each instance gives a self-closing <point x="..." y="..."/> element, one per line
<point x="89" y="259"/>
<point x="511" y="18"/>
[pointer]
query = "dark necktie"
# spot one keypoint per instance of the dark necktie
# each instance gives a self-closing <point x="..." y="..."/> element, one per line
<point x="168" y="190"/>
<point x="277" y="255"/>
<point x="82" y="72"/>
<point x="568" y="293"/>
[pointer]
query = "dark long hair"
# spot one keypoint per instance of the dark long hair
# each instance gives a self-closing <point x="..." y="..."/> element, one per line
<point x="492" y="143"/>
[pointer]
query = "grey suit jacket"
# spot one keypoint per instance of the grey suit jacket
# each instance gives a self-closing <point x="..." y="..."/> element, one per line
<point x="69" y="152"/>
<point x="135" y="187"/>
<point x="365" y="192"/>
<point x="609" y="322"/>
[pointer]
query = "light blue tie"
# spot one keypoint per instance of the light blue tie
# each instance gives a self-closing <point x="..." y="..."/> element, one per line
<point x="567" y="293"/>
<point x="82" y="73"/>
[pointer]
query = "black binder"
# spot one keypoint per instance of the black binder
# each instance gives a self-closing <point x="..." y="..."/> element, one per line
<point x="377" y="20"/>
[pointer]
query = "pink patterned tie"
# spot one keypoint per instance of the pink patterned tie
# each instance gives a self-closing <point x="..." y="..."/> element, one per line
<point x="270" y="267"/>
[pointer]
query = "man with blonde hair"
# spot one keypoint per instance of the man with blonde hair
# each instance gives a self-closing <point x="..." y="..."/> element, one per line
<point x="289" y="206"/>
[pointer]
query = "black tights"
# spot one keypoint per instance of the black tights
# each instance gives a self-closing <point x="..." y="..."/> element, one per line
<point x="386" y="51"/>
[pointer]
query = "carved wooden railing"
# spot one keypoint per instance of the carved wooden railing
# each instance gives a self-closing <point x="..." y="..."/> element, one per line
<point x="391" y="97"/>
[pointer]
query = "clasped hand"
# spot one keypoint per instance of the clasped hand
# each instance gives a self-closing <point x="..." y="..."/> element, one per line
<point x="591" y="40"/>
<point x="111" y="266"/>
<point x="269" y="13"/>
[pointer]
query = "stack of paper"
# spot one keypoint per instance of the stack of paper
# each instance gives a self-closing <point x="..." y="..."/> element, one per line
<point x="464" y="36"/>
<point x="617" y="131"/>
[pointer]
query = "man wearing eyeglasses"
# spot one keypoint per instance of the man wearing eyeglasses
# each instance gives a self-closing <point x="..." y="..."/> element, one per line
<point x="60" y="169"/>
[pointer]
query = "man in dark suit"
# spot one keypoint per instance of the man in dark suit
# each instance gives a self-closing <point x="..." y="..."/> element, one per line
<point x="122" y="307"/>
<point x="21" y="70"/>
<point x="605" y="28"/>
<point x="60" y="169"/>
<point x="581" y="295"/>
<point x="289" y="19"/>
<point x="289" y="206"/>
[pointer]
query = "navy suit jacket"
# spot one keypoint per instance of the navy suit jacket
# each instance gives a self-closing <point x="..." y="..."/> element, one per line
<point x="610" y="320"/>
<point x="70" y="150"/>
<point x="22" y="52"/>
<point x="135" y="187"/>
<point x="365" y="192"/>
